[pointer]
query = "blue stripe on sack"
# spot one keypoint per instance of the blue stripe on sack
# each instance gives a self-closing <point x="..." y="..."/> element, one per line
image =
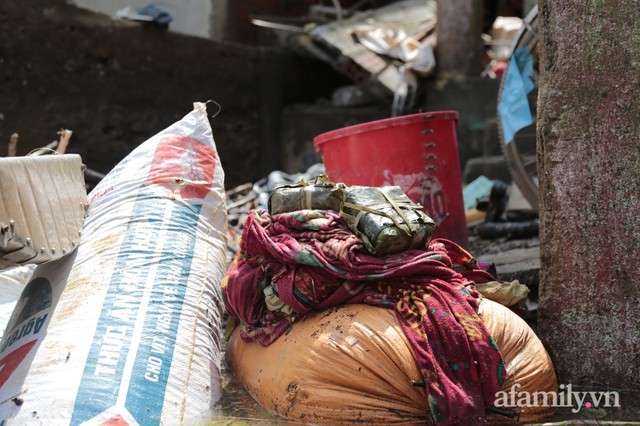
<point x="103" y="370"/>
<point x="146" y="393"/>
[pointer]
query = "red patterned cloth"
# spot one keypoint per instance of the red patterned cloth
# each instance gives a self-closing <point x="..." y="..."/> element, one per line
<point x="312" y="261"/>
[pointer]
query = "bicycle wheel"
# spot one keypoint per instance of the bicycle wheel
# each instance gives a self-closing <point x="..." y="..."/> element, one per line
<point x="519" y="147"/>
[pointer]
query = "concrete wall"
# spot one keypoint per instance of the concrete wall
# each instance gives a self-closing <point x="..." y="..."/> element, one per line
<point x="201" y="18"/>
<point x="302" y="122"/>
<point x="475" y="99"/>
<point x="589" y="171"/>
<point x="115" y="84"/>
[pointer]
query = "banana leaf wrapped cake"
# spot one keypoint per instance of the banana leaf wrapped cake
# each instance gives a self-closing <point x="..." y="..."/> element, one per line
<point x="318" y="195"/>
<point x="384" y="218"/>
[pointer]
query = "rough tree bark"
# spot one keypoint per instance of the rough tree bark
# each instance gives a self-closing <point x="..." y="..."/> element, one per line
<point x="589" y="171"/>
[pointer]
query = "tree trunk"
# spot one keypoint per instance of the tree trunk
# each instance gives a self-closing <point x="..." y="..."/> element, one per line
<point x="589" y="170"/>
<point x="459" y="27"/>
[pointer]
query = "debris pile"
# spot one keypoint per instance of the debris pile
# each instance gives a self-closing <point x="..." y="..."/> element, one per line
<point x="305" y="265"/>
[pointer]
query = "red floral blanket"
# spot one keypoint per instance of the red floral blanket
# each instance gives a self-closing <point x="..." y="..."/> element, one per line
<point x="310" y="260"/>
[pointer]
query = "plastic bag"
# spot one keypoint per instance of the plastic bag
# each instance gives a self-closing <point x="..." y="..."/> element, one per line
<point x="353" y="364"/>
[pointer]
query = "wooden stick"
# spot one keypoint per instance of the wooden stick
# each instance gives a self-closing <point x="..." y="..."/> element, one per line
<point x="246" y="199"/>
<point x="13" y="143"/>
<point x="65" y="135"/>
<point x="239" y="189"/>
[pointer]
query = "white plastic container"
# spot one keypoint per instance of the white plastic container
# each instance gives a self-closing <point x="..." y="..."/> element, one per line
<point x="42" y="207"/>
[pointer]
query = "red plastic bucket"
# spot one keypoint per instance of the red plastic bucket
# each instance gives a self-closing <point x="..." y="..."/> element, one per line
<point x="417" y="152"/>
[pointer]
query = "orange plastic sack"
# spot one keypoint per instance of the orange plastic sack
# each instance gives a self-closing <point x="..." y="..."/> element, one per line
<point x="353" y="364"/>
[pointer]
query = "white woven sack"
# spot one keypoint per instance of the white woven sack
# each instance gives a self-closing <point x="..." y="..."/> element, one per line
<point x="126" y="330"/>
